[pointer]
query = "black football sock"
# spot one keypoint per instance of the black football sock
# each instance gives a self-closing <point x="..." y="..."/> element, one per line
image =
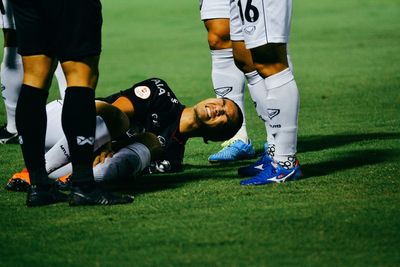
<point x="79" y="124"/>
<point x="31" y="123"/>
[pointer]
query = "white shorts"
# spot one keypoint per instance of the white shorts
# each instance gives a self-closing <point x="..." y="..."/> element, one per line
<point x="260" y="21"/>
<point x="7" y="20"/>
<point x="214" y="9"/>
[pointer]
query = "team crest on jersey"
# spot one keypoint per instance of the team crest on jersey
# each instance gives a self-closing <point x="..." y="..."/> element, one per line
<point x="273" y="112"/>
<point x="142" y="92"/>
<point x="223" y="91"/>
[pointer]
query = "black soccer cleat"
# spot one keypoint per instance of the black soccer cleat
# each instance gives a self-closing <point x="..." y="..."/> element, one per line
<point x="6" y="137"/>
<point x="97" y="196"/>
<point x="40" y="196"/>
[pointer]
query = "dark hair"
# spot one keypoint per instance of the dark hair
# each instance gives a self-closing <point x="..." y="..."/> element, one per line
<point x="226" y="131"/>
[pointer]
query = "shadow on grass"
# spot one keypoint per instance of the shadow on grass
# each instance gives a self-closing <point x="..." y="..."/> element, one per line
<point x="342" y="162"/>
<point x="337" y="163"/>
<point x="317" y="143"/>
<point x="349" y="160"/>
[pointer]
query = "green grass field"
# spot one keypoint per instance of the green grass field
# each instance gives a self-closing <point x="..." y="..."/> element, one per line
<point x="346" y="210"/>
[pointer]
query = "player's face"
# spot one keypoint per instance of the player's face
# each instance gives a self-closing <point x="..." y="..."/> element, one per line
<point x="214" y="112"/>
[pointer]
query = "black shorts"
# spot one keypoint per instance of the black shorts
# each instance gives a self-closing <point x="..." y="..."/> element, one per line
<point x="65" y="29"/>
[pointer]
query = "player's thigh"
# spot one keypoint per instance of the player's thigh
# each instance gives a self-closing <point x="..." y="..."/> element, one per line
<point x="218" y="33"/>
<point x="265" y="21"/>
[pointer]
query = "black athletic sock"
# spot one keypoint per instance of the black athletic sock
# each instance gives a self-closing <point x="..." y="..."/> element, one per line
<point x="31" y="123"/>
<point x="79" y="125"/>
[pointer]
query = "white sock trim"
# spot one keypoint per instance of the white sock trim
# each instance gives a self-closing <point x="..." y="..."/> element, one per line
<point x="279" y="79"/>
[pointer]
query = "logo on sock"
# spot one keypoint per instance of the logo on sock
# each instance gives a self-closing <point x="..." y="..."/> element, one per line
<point x="65" y="152"/>
<point x="223" y="91"/>
<point x="81" y="140"/>
<point x="273" y="112"/>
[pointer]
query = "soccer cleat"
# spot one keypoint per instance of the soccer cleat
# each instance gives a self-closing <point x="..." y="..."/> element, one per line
<point x="63" y="183"/>
<point x="277" y="174"/>
<point x="40" y="196"/>
<point x="19" y="181"/>
<point x="233" y="150"/>
<point x="6" y="137"/>
<point x="255" y="168"/>
<point x="97" y="196"/>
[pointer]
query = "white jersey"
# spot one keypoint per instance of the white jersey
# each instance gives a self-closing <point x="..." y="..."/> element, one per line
<point x="7" y="19"/>
<point x="214" y="9"/>
<point x="259" y="22"/>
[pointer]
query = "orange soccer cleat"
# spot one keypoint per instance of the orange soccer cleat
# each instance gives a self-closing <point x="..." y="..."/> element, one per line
<point x="63" y="183"/>
<point x="19" y="181"/>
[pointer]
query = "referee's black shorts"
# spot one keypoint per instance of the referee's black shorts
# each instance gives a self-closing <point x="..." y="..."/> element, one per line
<point x="65" y="29"/>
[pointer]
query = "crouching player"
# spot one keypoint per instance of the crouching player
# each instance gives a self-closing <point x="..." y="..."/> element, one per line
<point x="149" y="106"/>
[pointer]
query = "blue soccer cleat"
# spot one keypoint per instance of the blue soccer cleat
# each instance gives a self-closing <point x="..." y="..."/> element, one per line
<point x="235" y="150"/>
<point x="277" y="174"/>
<point x="255" y="168"/>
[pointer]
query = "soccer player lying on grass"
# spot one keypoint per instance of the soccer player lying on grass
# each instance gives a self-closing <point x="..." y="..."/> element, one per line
<point x="148" y="106"/>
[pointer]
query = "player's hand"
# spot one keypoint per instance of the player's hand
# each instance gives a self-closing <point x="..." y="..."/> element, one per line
<point x="102" y="157"/>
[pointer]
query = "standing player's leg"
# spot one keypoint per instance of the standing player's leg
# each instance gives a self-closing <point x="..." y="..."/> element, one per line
<point x="11" y="74"/>
<point x="228" y="80"/>
<point x="258" y="93"/>
<point x="79" y="50"/>
<point x="266" y="34"/>
<point x="31" y="125"/>
<point x="256" y="85"/>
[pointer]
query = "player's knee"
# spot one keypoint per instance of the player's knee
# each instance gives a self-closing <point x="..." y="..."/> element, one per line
<point x="152" y="143"/>
<point x="270" y="59"/>
<point x="38" y="70"/>
<point x="218" y="41"/>
<point x="218" y="33"/>
<point x="117" y="122"/>
<point x="83" y="73"/>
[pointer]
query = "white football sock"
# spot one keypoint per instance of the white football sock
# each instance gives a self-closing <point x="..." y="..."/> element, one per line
<point x="229" y="81"/>
<point x="259" y="94"/>
<point x="59" y="154"/>
<point x="60" y="172"/>
<point x="283" y="108"/>
<point x="62" y="82"/>
<point x="12" y="73"/>
<point x="127" y="162"/>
